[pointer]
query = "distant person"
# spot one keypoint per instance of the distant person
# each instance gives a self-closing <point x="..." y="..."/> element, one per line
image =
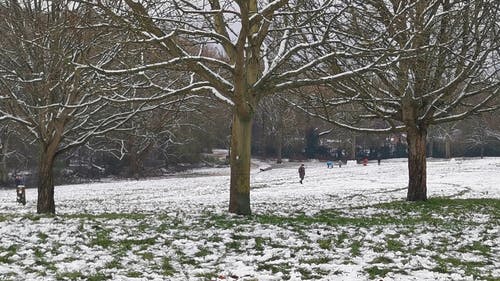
<point x="379" y="157"/>
<point x="302" y="172"/>
<point x="19" y="181"/>
<point x="329" y="164"/>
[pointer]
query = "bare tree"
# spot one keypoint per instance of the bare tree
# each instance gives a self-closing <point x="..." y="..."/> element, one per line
<point x="482" y="132"/>
<point x="47" y="92"/>
<point x="442" y="67"/>
<point x="447" y="133"/>
<point x="266" y="47"/>
<point x="277" y="121"/>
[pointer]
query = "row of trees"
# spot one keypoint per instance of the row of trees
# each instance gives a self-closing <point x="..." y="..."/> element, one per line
<point x="187" y="143"/>
<point x="71" y="72"/>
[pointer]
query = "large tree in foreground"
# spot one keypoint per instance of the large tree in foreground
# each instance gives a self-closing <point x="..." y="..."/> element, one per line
<point x="45" y="91"/>
<point x="41" y="89"/>
<point x="445" y="67"/>
<point x="266" y="48"/>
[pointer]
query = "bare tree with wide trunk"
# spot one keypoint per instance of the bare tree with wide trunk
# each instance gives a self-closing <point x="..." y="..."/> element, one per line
<point x="442" y="67"/>
<point x="266" y="47"/>
<point x="44" y="89"/>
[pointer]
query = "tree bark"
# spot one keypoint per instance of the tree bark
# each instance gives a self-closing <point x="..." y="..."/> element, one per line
<point x="417" y="164"/>
<point x="239" y="196"/>
<point x="46" y="204"/>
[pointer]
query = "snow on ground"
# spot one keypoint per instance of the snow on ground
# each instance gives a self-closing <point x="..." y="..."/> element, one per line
<point x="332" y="227"/>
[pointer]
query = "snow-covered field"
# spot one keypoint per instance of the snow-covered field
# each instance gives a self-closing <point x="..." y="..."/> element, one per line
<point x="348" y="223"/>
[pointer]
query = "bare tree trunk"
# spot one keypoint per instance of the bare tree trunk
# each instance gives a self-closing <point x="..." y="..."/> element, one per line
<point x="4" y="175"/>
<point x="239" y="197"/>
<point x="133" y="165"/>
<point x="132" y="161"/>
<point x="279" y="148"/>
<point x="417" y="164"/>
<point x="353" y="148"/>
<point x="46" y="204"/>
<point x="279" y="141"/>
<point x="447" y="147"/>
<point x="431" y="147"/>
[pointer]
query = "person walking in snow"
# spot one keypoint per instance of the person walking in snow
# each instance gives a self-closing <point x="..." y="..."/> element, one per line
<point x="302" y="172"/>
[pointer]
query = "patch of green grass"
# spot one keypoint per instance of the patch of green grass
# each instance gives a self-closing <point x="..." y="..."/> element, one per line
<point x="356" y="248"/>
<point x="299" y="220"/>
<point x="476" y="247"/>
<point x="134" y="274"/>
<point x="471" y="268"/>
<point x="102" y="238"/>
<point x="184" y="259"/>
<point x="394" y="245"/>
<point x="375" y="271"/>
<point x="382" y="259"/>
<point x="163" y="227"/>
<point x="147" y="256"/>
<point x="9" y="252"/>
<point x="75" y="275"/>
<point x="379" y="248"/>
<point x="98" y="277"/>
<point x="316" y="260"/>
<point x="441" y="266"/>
<point x="143" y="226"/>
<point x="446" y="205"/>
<point x="36" y="217"/>
<point x="38" y="253"/>
<point x="307" y="274"/>
<point x="207" y="276"/>
<point x="40" y="260"/>
<point x="259" y="244"/>
<point x="42" y="236"/>
<point x="127" y="244"/>
<point x="283" y="268"/>
<point x="325" y="243"/>
<point x="239" y="237"/>
<point x="341" y="238"/>
<point x="214" y="238"/>
<point x="166" y="267"/>
<point x="107" y="216"/>
<point x="5" y="259"/>
<point x="224" y="221"/>
<point x="234" y="245"/>
<point x="55" y="248"/>
<point x="81" y="226"/>
<point x="273" y="258"/>
<point x="203" y="252"/>
<point x="407" y="214"/>
<point x="114" y="264"/>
